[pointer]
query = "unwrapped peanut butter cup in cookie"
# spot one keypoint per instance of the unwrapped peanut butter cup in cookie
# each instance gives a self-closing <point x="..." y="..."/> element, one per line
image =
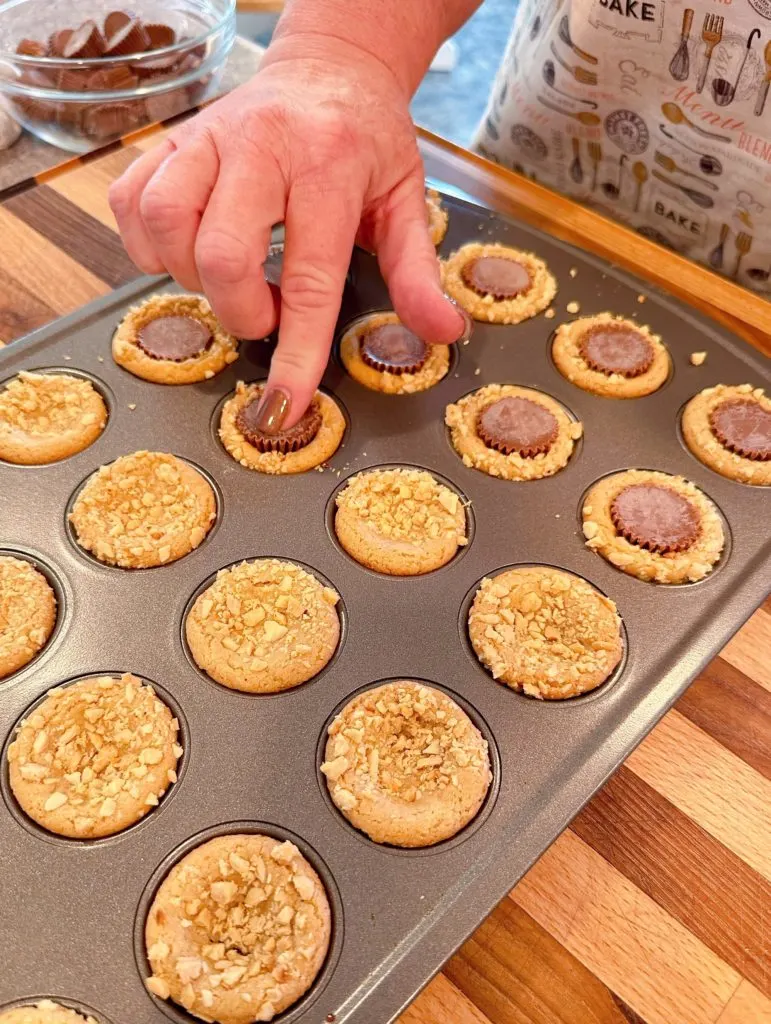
<point x="175" y="338"/>
<point x="392" y="348"/>
<point x="743" y="426"/>
<point x="655" y="518"/>
<point x="617" y="348"/>
<point x="515" y="424"/>
<point x="283" y="441"/>
<point x="498" y="276"/>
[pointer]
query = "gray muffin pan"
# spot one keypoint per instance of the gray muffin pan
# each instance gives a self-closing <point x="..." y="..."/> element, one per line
<point x="72" y="912"/>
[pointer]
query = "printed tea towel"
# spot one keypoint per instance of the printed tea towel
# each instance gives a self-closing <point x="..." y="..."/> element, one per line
<point x="656" y="112"/>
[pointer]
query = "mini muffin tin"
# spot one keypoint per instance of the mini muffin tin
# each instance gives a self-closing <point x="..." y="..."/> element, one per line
<point x="72" y="912"/>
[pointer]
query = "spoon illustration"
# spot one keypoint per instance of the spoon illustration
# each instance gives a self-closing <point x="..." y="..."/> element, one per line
<point x="640" y="172"/>
<point x="716" y="256"/>
<point x="564" y="34"/>
<point x="580" y="74"/>
<point x="680" y="66"/>
<point x="705" y="202"/>
<point x="709" y="164"/>
<point x="723" y="91"/>
<point x="673" y="167"/>
<point x="576" y="170"/>
<point x="584" y="116"/>
<point x="550" y="77"/>
<point x="675" y="115"/>
<point x="612" y="189"/>
<point x="764" y="85"/>
<point x="759" y="274"/>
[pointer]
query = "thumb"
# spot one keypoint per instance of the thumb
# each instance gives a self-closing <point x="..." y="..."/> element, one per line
<point x="408" y="262"/>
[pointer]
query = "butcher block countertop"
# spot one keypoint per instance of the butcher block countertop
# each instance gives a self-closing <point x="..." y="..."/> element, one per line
<point x="654" y="907"/>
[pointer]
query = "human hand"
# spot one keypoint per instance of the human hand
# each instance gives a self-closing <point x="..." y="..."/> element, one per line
<point x="322" y="140"/>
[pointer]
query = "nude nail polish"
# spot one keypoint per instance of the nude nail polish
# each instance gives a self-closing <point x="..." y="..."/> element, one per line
<point x="273" y="411"/>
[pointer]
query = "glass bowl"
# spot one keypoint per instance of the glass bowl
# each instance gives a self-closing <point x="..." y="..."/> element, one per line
<point x="84" y="73"/>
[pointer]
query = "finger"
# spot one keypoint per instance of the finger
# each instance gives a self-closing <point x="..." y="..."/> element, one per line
<point x="320" y="230"/>
<point x="173" y="203"/>
<point x="124" y="197"/>
<point x="408" y="262"/>
<point x="248" y="199"/>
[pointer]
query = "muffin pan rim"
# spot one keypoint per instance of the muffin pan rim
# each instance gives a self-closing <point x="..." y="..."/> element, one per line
<point x="430" y="935"/>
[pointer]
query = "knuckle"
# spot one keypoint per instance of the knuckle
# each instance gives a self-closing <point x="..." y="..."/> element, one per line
<point x="221" y="257"/>
<point x="161" y="213"/>
<point x="307" y="287"/>
<point x="121" y="198"/>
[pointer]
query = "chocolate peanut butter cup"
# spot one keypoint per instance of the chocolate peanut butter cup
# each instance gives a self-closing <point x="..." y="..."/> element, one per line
<point x="655" y="518"/>
<point x="115" y="20"/>
<point x="743" y="426"/>
<point x="129" y="38"/>
<point x="283" y="441"/>
<point x="497" y="276"/>
<point x="160" y="36"/>
<point x="617" y="348"/>
<point x="85" y="41"/>
<point x="515" y="424"/>
<point x="175" y="338"/>
<point x="392" y="348"/>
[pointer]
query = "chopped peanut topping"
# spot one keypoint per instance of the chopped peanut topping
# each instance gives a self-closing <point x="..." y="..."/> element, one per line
<point x="94" y="756"/>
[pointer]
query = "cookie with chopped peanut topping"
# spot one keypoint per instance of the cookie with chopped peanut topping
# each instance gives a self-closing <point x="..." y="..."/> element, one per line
<point x="27" y="613"/>
<point x="238" y="930"/>
<point x="44" y="1012"/>
<point x="545" y="632"/>
<point x="143" y="510"/>
<point x="406" y="765"/>
<point x="45" y="417"/>
<point x="263" y="626"/>
<point x="400" y="521"/>
<point x="94" y="757"/>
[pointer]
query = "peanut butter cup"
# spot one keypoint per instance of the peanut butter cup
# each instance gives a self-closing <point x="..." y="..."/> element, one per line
<point x="284" y="441"/>
<point x="743" y="426"/>
<point x="392" y="348"/>
<point x="617" y="348"/>
<point x="498" y="276"/>
<point x="516" y="424"/>
<point x="655" y="518"/>
<point x="175" y="338"/>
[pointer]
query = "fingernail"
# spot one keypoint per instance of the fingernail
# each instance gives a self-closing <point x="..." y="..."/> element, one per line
<point x="273" y="411"/>
<point x="468" y="323"/>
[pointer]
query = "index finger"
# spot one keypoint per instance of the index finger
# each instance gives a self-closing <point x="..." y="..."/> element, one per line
<point x="320" y="230"/>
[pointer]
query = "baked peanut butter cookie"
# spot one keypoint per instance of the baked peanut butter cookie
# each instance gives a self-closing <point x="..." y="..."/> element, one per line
<point x="94" y="757"/>
<point x="27" y="613"/>
<point x="382" y="354"/>
<point x="143" y="510"/>
<point x="263" y="626"/>
<point x="545" y="632"/>
<point x="406" y="765"/>
<point x="44" y="1012"/>
<point x="511" y="432"/>
<point x="729" y="430"/>
<point x="238" y="930"/>
<point x="400" y="521"/>
<point x="438" y="217"/>
<point x="653" y="526"/>
<point x="309" y="443"/>
<point x="173" y="339"/>
<point x="611" y="356"/>
<point x="45" y="417"/>
<point x="497" y="284"/>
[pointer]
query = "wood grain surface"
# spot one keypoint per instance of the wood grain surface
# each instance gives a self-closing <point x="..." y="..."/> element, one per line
<point x="654" y="907"/>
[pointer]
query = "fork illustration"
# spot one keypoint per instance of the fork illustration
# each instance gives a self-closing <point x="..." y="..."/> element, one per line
<point x="595" y="155"/>
<point x="743" y="245"/>
<point x="711" y="33"/>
